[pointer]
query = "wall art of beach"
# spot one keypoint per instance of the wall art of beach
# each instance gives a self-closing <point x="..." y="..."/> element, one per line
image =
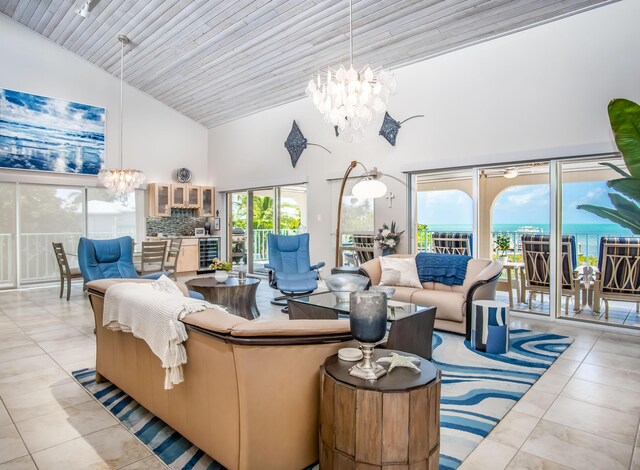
<point x="48" y="134"/>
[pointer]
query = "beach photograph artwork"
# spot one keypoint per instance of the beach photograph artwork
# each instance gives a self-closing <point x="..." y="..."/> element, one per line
<point x="48" y="134"/>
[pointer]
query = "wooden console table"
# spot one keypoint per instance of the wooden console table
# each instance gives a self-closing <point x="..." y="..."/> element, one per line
<point x="390" y="423"/>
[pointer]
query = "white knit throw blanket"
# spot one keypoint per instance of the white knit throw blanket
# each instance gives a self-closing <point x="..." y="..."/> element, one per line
<point x="153" y="313"/>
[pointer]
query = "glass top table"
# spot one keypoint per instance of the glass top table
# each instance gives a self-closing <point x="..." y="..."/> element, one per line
<point x="410" y="325"/>
<point x="327" y="300"/>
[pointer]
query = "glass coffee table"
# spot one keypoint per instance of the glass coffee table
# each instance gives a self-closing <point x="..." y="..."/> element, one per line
<point x="410" y="325"/>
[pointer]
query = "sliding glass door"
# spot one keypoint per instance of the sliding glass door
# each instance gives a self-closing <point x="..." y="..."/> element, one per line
<point x="7" y="234"/>
<point x="34" y="216"/>
<point x="254" y="214"/>
<point x="547" y="223"/>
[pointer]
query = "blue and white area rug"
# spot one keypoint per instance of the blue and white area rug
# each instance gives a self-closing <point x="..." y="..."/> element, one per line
<point x="478" y="389"/>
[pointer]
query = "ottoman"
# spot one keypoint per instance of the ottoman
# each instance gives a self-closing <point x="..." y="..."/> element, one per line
<point x="490" y="326"/>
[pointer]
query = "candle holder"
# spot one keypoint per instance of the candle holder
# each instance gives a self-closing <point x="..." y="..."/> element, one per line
<point x="368" y="320"/>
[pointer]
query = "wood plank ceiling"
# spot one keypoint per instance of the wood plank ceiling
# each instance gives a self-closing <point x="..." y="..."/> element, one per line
<point x="218" y="60"/>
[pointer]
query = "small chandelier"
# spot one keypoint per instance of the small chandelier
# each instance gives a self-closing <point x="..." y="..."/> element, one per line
<point x="121" y="181"/>
<point x="350" y="99"/>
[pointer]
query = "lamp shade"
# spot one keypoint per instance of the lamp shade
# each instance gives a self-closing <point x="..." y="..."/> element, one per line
<point x="369" y="188"/>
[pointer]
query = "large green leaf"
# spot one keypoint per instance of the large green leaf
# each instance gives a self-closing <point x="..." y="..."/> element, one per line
<point x="617" y="169"/>
<point x="625" y="206"/>
<point x="630" y="187"/>
<point x="624" y="116"/>
<point x="614" y="215"/>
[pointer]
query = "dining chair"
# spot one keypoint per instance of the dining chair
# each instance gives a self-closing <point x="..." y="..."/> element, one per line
<point x="66" y="273"/>
<point x="152" y="258"/>
<point x="536" y="252"/>
<point x="173" y="253"/>
<point x="365" y="243"/>
<point x="618" y="274"/>
<point x="452" y="243"/>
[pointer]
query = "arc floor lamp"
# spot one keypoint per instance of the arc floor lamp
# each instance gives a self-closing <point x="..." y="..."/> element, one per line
<point x="369" y="187"/>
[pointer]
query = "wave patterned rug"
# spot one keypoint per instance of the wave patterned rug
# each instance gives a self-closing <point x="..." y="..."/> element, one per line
<point x="477" y="391"/>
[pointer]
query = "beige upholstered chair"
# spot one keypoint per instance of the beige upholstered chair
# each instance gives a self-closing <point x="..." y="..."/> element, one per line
<point x="618" y="276"/>
<point x="66" y="273"/>
<point x="536" y="258"/>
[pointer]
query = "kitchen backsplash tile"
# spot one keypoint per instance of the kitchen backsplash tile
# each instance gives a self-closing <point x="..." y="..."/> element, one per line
<point x="184" y="226"/>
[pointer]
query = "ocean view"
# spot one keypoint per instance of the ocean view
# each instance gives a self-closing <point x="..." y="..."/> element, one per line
<point x="587" y="235"/>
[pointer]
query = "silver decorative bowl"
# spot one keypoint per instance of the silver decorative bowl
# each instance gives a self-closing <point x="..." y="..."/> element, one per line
<point x="389" y="291"/>
<point x="341" y="285"/>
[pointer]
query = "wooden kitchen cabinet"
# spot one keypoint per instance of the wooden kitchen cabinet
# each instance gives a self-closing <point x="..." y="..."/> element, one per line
<point x="178" y="195"/>
<point x="159" y="200"/>
<point x="194" y="196"/>
<point x="207" y="204"/>
<point x="188" y="258"/>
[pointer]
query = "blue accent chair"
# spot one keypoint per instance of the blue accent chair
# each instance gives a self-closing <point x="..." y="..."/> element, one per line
<point x="290" y="270"/>
<point x="112" y="259"/>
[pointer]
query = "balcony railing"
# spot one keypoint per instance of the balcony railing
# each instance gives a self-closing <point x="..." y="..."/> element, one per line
<point x="260" y="242"/>
<point x="587" y="244"/>
<point x="37" y="261"/>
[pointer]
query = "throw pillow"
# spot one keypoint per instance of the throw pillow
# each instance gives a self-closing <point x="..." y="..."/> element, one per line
<point x="399" y="272"/>
<point x="166" y="285"/>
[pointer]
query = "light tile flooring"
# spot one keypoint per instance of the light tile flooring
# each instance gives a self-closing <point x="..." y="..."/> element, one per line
<point x="583" y="413"/>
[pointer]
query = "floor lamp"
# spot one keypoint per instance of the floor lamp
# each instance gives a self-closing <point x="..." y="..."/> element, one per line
<point x="369" y="187"/>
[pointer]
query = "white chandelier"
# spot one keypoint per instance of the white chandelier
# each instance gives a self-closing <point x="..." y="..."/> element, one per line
<point x="349" y="99"/>
<point x="121" y="181"/>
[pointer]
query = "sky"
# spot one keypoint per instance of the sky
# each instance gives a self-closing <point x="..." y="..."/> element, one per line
<point x="524" y="205"/>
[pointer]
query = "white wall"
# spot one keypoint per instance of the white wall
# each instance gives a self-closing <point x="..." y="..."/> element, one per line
<point x="157" y="139"/>
<point x="538" y="93"/>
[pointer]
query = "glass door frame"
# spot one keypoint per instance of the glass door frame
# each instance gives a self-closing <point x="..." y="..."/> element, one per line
<point x="555" y="217"/>
<point x="277" y="201"/>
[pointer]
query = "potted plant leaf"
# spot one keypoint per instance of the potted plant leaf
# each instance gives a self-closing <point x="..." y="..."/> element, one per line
<point x="502" y="245"/>
<point x="624" y="116"/>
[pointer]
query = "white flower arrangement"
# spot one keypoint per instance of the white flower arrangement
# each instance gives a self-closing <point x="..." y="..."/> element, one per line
<point x="387" y="236"/>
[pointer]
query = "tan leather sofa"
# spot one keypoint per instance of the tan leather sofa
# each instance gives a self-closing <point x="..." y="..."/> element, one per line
<point x="250" y="398"/>
<point x="453" y="303"/>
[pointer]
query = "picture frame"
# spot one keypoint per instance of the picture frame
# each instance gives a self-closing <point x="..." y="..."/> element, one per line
<point x="40" y="133"/>
<point x="216" y="223"/>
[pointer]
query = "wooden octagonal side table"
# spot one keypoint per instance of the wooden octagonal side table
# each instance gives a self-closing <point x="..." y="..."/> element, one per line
<point x="391" y="423"/>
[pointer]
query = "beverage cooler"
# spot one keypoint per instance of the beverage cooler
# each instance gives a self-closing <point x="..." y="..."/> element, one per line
<point x="208" y="248"/>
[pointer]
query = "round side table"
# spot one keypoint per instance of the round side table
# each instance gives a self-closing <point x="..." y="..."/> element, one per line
<point x="393" y="422"/>
<point x="238" y="297"/>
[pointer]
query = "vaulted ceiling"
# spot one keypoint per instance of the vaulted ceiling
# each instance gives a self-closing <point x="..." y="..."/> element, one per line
<point x="218" y="60"/>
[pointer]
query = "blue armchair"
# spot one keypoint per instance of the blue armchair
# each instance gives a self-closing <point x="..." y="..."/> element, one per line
<point x="290" y="270"/>
<point x="113" y="258"/>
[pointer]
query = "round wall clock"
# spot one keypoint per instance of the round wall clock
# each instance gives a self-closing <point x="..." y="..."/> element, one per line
<point x="184" y="175"/>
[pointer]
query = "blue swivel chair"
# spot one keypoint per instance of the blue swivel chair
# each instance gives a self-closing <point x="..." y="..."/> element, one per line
<point x="290" y="270"/>
<point x="108" y="259"/>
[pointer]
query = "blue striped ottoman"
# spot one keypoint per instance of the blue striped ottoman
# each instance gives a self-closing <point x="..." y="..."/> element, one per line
<point x="490" y="326"/>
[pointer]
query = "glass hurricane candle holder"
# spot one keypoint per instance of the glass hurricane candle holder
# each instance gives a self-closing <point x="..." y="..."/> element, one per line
<point x="368" y="319"/>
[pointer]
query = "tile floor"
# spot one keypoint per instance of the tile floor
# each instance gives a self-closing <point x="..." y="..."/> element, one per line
<point x="583" y="413"/>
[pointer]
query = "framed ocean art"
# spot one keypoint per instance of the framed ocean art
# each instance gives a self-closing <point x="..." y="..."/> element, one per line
<point x="47" y="134"/>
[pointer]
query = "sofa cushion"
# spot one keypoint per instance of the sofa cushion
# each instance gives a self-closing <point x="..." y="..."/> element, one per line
<point x="450" y="305"/>
<point x="403" y="294"/>
<point x="399" y="272"/>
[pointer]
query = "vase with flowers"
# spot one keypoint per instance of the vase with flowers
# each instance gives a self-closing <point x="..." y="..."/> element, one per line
<point x="221" y="269"/>
<point x="388" y="238"/>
